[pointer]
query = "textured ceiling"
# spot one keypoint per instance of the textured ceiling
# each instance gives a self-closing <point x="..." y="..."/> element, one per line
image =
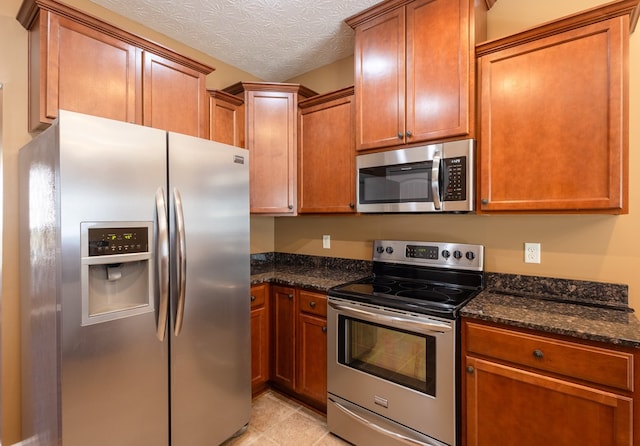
<point x="274" y="40"/>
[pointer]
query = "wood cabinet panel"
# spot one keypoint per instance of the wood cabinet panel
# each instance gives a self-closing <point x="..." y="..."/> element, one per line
<point x="71" y="77"/>
<point x="226" y="118"/>
<point x="326" y="155"/>
<point x="506" y="405"/>
<point x="283" y="337"/>
<point x="577" y="361"/>
<point x="524" y="387"/>
<point x="174" y="97"/>
<point x="554" y="118"/>
<point x="312" y="358"/>
<point x="415" y="71"/>
<point x="259" y="337"/>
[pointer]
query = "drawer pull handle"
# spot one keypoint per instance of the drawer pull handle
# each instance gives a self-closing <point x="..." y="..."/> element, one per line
<point x="470" y="370"/>
<point x="253" y="298"/>
<point x="312" y="304"/>
<point x="538" y="354"/>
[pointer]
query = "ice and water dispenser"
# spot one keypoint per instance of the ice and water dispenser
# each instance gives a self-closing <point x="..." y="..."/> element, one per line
<point x="117" y="270"/>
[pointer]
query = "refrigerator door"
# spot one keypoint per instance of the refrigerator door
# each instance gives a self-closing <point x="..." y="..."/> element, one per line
<point x="114" y="372"/>
<point x="209" y="327"/>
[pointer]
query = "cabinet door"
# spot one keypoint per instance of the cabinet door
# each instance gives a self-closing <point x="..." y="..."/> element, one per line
<point x="226" y="118"/>
<point x="380" y="81"/>
<point x="438" y="69"/>
<point x="283" y="341"/>
<point x="259" y="337"/>
<point x="326" y="157"/>
<point x="271" y="119"/>
<point x="553" y="122"/>
<point x="174" y="97"/>
<point x="505" y="405"/>
<point x="83" y="70"/>
<point x="312" y="358"/>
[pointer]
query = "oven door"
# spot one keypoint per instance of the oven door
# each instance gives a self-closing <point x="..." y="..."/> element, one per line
<point x="390" y="364"/>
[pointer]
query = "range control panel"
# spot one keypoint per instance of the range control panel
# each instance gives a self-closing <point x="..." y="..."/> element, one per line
<point x="112" y="241"/>
<point x="437" y="254"/>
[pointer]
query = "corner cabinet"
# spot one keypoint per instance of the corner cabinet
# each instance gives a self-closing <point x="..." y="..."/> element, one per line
<point x="553" y="107"/>
<point x="271" y="117"/>
<point x="326" y="156"/>
<point x="415" y="71"/>
<point x="524" y="388"/>
<point x="80" y="63"/>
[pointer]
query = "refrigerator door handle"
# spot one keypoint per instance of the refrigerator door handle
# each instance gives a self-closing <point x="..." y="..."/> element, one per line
<point x="181" y="260"/>
<point x="162" y="259"/>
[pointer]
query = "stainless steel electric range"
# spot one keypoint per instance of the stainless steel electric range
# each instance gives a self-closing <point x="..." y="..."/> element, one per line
<point x="393" y="344"/>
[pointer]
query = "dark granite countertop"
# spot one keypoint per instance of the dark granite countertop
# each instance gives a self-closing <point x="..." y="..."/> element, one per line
<point x="584" y="310"/>
<point x="314" y="272"/>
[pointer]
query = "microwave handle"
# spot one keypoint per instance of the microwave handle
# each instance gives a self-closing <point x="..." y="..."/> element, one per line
<point x="435" y="180"/>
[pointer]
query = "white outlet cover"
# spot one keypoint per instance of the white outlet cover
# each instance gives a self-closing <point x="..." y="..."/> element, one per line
<point x="532" y="253"/>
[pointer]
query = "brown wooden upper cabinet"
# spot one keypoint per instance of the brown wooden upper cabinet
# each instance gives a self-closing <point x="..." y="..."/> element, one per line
<point x="414" y="71"/>
<point x="326" y="161"/>
<point x="226" y="118"/>
<point x="554" y="115"/>
<point x="80" y="63"/>
<point x="271" y="121"/>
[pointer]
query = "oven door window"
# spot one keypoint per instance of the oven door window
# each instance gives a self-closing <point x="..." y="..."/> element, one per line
<point x="403" y="357"/>
<point x="402" y="183"/>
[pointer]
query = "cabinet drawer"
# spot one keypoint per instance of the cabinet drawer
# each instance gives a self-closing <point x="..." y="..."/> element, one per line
<point x="258" y="295"/>
<point x="313" y="303"/>
<point x="584" y="362"/>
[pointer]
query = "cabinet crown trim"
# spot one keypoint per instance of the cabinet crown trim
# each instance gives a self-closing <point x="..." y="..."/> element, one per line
<point x="29" y="10"/>
<point x="320" y="99"/>
<point x="598" y="14"/>
<point x="241" y="87"/>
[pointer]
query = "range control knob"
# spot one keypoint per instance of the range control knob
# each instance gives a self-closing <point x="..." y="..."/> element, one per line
<point x="380" y="249"/>
<point x="457" y="255"/>
<point x="389" y="250"/>
<point x="446" y="254"/>
<point x="470" y="255"/>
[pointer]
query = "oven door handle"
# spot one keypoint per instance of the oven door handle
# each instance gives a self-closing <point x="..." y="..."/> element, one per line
<point x="415" y="323"/>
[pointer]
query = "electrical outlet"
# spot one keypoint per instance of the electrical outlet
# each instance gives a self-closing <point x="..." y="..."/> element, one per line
<point x="326" y="241"/>
<point x="532" y="253"/>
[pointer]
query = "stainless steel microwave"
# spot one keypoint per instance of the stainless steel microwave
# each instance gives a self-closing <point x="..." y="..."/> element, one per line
<point x="432" y="178"/>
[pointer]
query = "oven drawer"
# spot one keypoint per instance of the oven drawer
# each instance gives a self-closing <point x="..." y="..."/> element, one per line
<point x="597" y="365"/>
<point x="313" y="303"/>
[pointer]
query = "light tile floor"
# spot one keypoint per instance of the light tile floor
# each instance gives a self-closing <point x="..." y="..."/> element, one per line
<point x="279" y="421"/>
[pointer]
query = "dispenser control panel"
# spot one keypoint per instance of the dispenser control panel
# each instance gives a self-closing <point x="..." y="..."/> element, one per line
<point x="112" y="241"/>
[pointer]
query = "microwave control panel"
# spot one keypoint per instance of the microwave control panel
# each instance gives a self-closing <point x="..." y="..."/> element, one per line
<point x="455" y="178"/>
<point x="112" y="241"/>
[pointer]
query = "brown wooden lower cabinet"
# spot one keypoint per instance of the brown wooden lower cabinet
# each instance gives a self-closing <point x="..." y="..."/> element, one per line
<point x="259" y="337"/>
<point x="299" y="344"/>
<point x="528" y="389"/>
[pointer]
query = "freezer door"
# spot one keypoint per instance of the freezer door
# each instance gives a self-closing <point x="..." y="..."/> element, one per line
<point x="114" y="372"/>
<point x="209" y="326"/>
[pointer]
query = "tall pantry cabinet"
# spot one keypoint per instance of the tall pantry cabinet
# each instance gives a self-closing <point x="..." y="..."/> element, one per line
<point x="414" y="71"/>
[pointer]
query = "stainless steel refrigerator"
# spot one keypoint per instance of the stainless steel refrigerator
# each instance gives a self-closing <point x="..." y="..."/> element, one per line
<point x="134" y="286"/>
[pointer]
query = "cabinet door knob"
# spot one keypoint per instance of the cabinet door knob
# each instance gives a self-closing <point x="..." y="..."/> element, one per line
<point x="470" y="369"/>
<point x="400" y="135"/>
<point x="290" y="206"/>
<point x="253" y="298"/>
<point x="351" y="205"/>
<point x="289" y="296"/>
<point x="409" y="134"/>
<point x="484" y="201"/>
<point x="312" y="304"/>
<point x="538" y="354"/>
<point x="324" y="328"/>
